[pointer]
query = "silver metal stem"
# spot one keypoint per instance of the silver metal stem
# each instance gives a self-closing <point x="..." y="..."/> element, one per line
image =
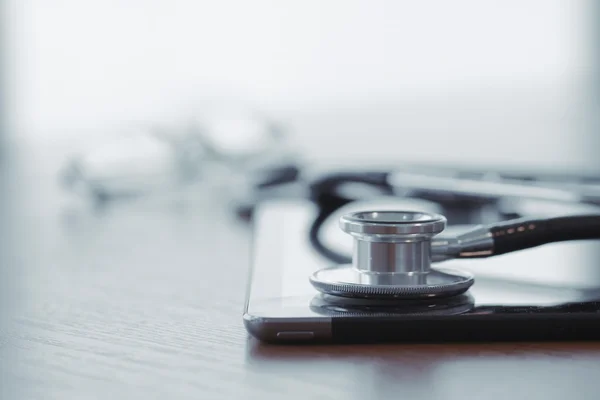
<point x="476" y="243"/>
<point x="402" y="257"/>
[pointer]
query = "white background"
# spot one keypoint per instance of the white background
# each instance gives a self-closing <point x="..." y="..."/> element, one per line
<point x="461" y="80"/>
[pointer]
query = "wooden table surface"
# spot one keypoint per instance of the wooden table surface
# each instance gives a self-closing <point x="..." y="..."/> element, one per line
<point x="145" y="301"/>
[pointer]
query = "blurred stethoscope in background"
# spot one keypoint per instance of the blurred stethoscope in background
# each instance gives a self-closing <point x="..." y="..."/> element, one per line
<point x="225" y="147"/>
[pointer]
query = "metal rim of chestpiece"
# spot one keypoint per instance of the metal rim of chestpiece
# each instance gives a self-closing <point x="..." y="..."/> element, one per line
<point x="391" y="259"/>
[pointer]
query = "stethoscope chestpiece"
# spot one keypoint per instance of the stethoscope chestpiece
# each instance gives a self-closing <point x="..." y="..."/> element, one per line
<point x="392" y="259"/>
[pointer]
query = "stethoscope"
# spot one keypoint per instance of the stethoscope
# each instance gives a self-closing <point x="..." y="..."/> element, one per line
<point x="396" y="252"/>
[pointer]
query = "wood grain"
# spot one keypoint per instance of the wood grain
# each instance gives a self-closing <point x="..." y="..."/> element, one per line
<point x="145" y="301"/>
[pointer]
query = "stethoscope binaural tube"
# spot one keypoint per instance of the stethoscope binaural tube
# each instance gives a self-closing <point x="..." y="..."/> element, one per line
<point x="393" y="251"/>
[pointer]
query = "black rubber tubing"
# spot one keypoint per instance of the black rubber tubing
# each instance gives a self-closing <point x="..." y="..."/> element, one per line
<point x="526" y="233"/>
